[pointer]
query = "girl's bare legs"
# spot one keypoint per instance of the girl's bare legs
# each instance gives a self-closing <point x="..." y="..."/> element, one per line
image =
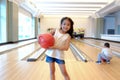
<point x="64" y="71"/>
<point x="52" y="70"/>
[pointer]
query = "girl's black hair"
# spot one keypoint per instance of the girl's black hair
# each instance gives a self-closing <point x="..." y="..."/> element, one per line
<point x="70" y="32"/>
<point x="107" y="45"/>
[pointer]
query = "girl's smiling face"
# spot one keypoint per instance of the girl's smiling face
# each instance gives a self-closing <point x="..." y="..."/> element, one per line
<point x="65" y="25"/>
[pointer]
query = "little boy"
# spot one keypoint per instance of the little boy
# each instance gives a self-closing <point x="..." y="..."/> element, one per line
<point x="106" y="54"/>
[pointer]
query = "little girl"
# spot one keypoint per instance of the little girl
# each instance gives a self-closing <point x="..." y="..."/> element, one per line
<point x="62" y="41"/>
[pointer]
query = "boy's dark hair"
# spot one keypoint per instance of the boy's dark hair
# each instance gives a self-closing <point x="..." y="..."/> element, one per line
<point x="107" y="45"/>
<point x="70" y="32"/>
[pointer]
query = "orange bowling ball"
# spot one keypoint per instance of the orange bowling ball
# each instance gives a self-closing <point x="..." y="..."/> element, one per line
<point x="46" y="40"/>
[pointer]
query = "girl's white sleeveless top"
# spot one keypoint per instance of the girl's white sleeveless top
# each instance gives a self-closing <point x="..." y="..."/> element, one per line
<point x="60" y="40"/>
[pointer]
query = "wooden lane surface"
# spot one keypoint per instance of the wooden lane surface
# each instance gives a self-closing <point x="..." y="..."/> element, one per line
<point x="12" y="68"/>
<point x="15" y="69"/>
<point x="90" y="51"/>
<point x="15" y="55"/>
<point x="77" y="70"/>
<point x="114" y="46"/>
<point x="11" y="57"/>
<point x="93" y="51"/>
<point x="18" y="54"/>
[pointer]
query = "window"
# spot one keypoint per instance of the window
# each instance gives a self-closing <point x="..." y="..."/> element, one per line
<point x="26" y="28"/>
<point x="3" y="34"/>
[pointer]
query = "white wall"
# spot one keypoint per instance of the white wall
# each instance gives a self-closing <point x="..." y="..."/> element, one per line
<point x="48" y="22"/>
<point x="54" y="22"/>
<point x="91" y="30"/>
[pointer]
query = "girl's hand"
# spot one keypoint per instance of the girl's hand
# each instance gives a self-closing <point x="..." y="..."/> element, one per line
<point x="52" y="31"/>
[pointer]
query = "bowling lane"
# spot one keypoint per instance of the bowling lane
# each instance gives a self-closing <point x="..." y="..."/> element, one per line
<point x="114" y="46"/>
<point x="87" y="49"/>
<point x="19" y="53"/>
<point x="69" y="56"/>
<point x="11" y="57"/>
<point x="91" y="51"/>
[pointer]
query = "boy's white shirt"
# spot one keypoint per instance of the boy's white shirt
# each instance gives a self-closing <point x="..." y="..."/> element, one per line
<point x="107" y="52"/>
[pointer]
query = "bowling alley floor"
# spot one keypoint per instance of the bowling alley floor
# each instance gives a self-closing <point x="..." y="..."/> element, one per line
<point x="13" y="66"/>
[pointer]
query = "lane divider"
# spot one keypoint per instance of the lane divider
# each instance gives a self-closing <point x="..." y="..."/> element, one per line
<point x="75" y="53"/>
<point x="31" y="53"/>
<point x="78" y="53"/>
<point x="36" y="55"/>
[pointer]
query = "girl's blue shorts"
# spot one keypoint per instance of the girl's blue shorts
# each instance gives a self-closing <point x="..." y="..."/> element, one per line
<point x="51" y="59"/>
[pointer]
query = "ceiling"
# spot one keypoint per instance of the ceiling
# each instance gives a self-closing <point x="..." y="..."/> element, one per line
<point x="69" y="7"/>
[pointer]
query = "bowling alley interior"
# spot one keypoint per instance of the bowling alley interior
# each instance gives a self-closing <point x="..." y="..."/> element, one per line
<point x="95" y="23"/>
